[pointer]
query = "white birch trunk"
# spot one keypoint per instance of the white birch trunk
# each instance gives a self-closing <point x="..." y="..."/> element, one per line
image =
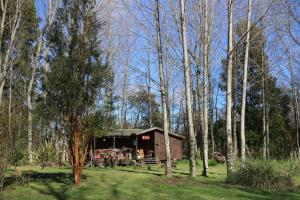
<point x="168" y="169"/>
<point x="245" y="76"/>
<point x="192" y="141"/>
<point x="229" y="91"/>
<point x="205" y="84"/>
<point x="295" y="103"/>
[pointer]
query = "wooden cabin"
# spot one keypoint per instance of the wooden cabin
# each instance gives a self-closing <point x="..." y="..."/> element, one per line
<point x="151" y="141"/>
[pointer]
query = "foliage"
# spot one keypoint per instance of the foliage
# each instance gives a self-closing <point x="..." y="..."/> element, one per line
<point x="18" y="157"/>
<point x="277" y="101"/>
<point x="262" y="175"/>
<point x="212" y="163"/>
<point x="145" y="108"/>
<point x="47" y="155"/>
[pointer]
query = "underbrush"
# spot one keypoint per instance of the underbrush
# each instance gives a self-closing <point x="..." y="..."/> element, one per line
<point x="263" y="175"/>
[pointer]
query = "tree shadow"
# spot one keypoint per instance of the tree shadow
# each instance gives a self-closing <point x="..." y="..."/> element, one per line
<point x="59" y="193"/>
<point x="55" y="184"/>
<point x="152" y="172"/>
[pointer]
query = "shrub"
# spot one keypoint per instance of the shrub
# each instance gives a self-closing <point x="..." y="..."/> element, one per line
<point x="263" y="175"/>
<point x="47" y="155"/>
<point x="212" y="163"/>
<point x="18" y="157"/>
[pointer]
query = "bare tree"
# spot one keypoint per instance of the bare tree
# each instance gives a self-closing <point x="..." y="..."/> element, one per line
<point x="192" y="142"/>
<point x="244" y="90"/>
<point x="205" y="92"/>
<point x="10" y="18"/>
<point x="229" y="89"/>
<point x="168" y="169"/>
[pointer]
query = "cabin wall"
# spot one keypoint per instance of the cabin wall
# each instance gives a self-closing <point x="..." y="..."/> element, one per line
<point x="175" y="146"/>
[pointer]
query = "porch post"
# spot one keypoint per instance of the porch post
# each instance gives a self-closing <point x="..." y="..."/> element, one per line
<point x="114" y="142"/>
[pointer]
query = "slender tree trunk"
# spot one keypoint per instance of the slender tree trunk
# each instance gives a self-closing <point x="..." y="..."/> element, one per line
<point x="29" y="129"/>
<point x="205" y="93"/>
<point x="149" y="92"/>
<point x="295" y="103"/>
<point x="124" y="96"/>
<point x="267" y="119"/>
<point x="78" y="152"/>
<point x="192" y="141"/>
<point x="168" y="169"/>
<point x="199" y="123"/>
<point x="245" y="76"/>
<point x="229" y="91"/>
<point x="9" y="105"/>
<point x="264" y="109"/>
<point x="234" y="125"/>
<point x="1" y="91"/>
<point x="168" y="76"/>
<point x="211" y="110"/>
<point x="29" y="100"/>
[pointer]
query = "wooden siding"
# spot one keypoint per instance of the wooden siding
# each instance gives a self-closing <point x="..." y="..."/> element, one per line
<point x="175" y="146"/>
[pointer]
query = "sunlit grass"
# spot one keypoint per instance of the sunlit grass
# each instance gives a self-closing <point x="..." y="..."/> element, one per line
<point x="135" y="183"/>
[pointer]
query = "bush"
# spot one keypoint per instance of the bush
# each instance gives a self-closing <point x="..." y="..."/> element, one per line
<point x="18" y="157"/>
<point x="212" y="163"/>
<point x="263" y="175"/>
<point x="47" y="155"/>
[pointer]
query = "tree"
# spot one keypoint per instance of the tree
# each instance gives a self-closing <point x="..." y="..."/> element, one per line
<point x="168" y="169"/>
<point x="77" y="74"/>
<point x="229" y="90"/>
<point x="187" y="81"/>
<point x="205" y="92"/>
<point x="243" y="143"/>
<point x="35" y="58"/>
<point x="141" y="102"/>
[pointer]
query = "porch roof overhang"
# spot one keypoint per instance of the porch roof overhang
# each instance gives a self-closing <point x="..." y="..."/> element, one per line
<point x="132" y="132"/>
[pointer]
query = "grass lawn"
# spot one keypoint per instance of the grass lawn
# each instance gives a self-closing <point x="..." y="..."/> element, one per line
<point x="132" y="183"/>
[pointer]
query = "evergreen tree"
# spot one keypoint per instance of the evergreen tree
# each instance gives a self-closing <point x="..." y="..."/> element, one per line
<point x="76" y="75"/>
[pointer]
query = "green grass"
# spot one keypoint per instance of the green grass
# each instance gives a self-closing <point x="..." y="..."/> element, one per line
<point x="135" y="183"/>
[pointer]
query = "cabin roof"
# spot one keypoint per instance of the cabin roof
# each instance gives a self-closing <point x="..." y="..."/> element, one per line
<point x="130" y="132"/>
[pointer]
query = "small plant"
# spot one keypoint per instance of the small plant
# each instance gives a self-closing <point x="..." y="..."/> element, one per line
<point x="47" y="155"/>
<point x="18" y="157"/>
<point x="263" y="175"/>
<point x="212" y="163"/>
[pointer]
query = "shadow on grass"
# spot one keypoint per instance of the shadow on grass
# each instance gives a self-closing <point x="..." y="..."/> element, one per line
<point x="152" y="172"/>
<point x="55" y="184"/>
<point x="250" y="193"/>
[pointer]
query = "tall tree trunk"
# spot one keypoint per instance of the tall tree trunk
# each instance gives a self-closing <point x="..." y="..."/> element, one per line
<point x="9" y="105"/>
<point x="205" y="92"/>
<point x="211" y="108"/>
<point x="124" y="95"/>
<point x="264" y="120"/>
<point x="168" y="169"/>
<point x="1" y="91"/>
<point x="168" y="76"/>
<point x="29" y="98"/>
<point x="234" y="125"/>
<point x="229" y="91"/>
<point x="267" y="117"/>
<point x="199" y="123"/>
<point x="245" y="76"/>
<point x="78" y="152"/>
<point x="192" y="142"/>
<point x="295" y="103"/>
<point x="149" y="91"/>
